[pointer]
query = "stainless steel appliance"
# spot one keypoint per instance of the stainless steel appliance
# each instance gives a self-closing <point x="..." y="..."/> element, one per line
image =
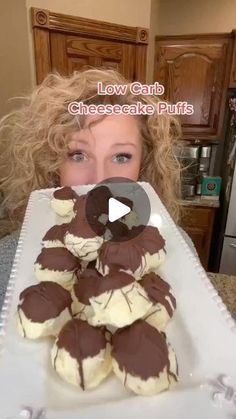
<point x="205" y="158"/>
<point x="188" y="156"/>
<point x="228" y="254"/>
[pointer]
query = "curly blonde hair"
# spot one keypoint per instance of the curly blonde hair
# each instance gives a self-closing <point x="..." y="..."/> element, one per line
<point x="34" y="139"/>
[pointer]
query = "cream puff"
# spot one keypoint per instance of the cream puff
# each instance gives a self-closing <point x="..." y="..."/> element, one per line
<point x="143" y="360"/>
<point x="81" y="354"/>
<point x="140" y="252"/>
<point x="57" y="265"/>
<point x="43" y="310"/>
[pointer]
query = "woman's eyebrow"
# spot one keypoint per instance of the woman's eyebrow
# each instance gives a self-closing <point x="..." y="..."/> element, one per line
<point x="123" y="144"/>
<point x="80" y="141"/>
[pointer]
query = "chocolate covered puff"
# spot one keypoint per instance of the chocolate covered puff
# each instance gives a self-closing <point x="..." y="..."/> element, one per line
<point x="140" y="252"/>
<point x="43" y="310"/>
<point x="57" y="265"/>
<point x="84" y="236"/>
<point x="63" y="201"/>
<point x="143" y="360"/>
<point x="163" y="301"/>
<point x="81" y="354"/>
<point x="118" y="300"/>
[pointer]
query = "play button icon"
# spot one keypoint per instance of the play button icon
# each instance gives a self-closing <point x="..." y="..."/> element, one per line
<point x="117" y="210"/>
<point x="121" y="205"/>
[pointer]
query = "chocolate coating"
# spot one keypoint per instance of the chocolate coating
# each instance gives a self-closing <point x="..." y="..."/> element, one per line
<point x="141" y="350"/>
<point x="57" y="232"/>
<point x="64" y="193"/>
<point x="118" y="229"/>
<point x="157" y="290"/>
<point x="92" y="284"/>
<point x="81" y="341"/>
<point x="98" y="199"/>
<point x="87" y="285"/>
<point x="58" y="259"/>
<point x="44" y="301"/>
<point x="128" y="253"/>
<point x="80" y="227"/>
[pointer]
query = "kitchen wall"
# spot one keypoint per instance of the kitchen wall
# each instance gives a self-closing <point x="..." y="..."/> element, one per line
<point x="15" y="70"/>
<point x="178" y="17"/>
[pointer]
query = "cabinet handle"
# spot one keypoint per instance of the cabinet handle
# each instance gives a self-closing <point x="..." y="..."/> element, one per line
<point x="233" y="245"/>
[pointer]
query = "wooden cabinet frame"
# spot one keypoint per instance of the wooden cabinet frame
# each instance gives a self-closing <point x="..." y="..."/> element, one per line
<point x="45" y="21"/>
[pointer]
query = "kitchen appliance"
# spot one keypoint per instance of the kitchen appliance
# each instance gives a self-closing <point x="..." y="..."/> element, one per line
<point x="205" y="158"/>
<point x="227" y="240"/>
<point x="195" y="161"/>
<point x="188" y="156"/>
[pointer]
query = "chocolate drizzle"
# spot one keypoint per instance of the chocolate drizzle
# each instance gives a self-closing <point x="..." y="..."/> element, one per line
<point x="128" y="253"/>
<point x="44" y="301"/>
<point x="65" y="193"/>
<point x="58" y="259"/>
<point x="141" y="350"/>
<point x="81" y="341"/>
<point x="157" y="290"/>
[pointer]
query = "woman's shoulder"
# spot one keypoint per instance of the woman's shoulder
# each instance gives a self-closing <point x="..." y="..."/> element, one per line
<point x="8" y="245"/>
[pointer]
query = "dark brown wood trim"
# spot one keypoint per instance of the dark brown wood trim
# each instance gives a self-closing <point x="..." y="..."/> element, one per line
<point x="141" y="63"/>
<point x="206" y="36"/>
<point x="42" y="53"/>
<point x="42" y="18"/>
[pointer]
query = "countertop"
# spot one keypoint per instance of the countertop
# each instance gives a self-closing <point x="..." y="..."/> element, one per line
<point x="198" y="201"/>
<point x="226" y="287"/>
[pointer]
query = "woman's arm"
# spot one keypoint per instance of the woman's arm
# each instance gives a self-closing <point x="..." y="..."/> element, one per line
<point x="8" y="247"/>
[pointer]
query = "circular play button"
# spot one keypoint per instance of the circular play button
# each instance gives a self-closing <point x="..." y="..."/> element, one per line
<point x="121" y="205"/>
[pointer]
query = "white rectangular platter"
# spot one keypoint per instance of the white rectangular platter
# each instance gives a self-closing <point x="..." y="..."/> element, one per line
<point x="202" y="333"/>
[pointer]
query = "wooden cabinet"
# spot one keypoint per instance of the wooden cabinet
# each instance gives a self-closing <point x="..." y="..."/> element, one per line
<point x="198" y="223"/>
<point x="196" y="69"/>
<point x="68" y="43"/>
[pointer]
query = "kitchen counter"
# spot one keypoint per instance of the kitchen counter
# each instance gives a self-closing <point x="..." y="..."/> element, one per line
<point x="226" y="287"/>
<point x="200" y="202"/>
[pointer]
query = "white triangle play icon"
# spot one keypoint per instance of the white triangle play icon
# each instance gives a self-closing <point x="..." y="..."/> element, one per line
<point x="116" y="209"/>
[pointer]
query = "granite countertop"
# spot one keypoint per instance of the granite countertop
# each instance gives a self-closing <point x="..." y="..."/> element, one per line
<point x="226" y="287"/>
<point x="198" y="201"/>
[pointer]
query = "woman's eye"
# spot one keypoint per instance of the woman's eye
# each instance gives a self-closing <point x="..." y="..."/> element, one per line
<point x="78" y="156"/>
<point x="122" y="158"/>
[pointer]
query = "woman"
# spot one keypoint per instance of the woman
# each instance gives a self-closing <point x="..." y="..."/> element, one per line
<point x="43" y="145"/>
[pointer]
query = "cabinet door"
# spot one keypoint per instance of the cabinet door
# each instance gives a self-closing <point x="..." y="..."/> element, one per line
<point x="70" y="53"/>
<point x="66" y="43"/>
<point x="199" y="237"/>
<point x="196" y="70"/>
<point x="198" y="224"/>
